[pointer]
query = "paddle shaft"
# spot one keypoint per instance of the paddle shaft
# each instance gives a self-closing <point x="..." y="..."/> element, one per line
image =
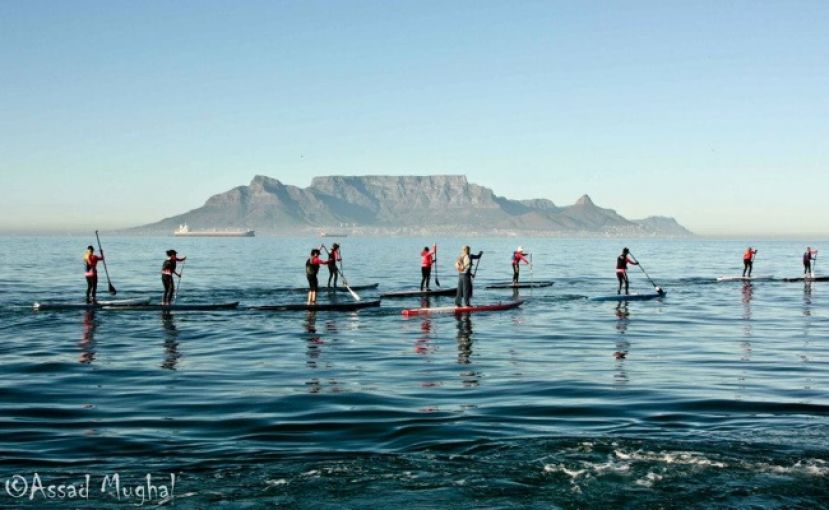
<point x="178" y="286"/>
<point x="437" y="280"/>
<point x="475" y="271"/>
<point x="106" y="271"/>
<point x="643" y="270"/>
<point x="340" y="269"/>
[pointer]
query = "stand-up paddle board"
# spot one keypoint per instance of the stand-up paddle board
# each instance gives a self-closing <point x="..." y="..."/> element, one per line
<point x="457" y="310"/>
<point x="630" y="297"/>
<point x="807" y="279"/>
<point x="333" y="307"/>
<point x="522" y="285"/>
<point x="90" y="306"/>
<point x="323" y="288"/>
<point x="182" y="307"/>
<point x="745" y="278"/>
<point x="419" y="293"/>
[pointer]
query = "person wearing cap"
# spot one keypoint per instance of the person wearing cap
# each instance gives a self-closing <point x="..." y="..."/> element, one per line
<point x="808" y="257"/>
<point x="168" y="269"/>
<point x="463" y="265"/>
<point x="622" y="262"/>
<point x="90" y="261"/>
<point x="333" y="258"/>
<point x="748" y="261"/>
<point x="517" y="258"/>
<point x="427" y="258"/>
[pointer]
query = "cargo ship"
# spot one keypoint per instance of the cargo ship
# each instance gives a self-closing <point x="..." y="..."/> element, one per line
<point x="184" y="231"/>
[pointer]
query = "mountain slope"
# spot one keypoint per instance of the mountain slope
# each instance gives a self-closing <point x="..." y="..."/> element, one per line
<point x="402" y="204"/>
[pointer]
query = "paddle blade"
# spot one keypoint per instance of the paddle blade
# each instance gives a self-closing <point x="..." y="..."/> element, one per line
<point x="112" y="289"/>
<point x="437" y="280"/>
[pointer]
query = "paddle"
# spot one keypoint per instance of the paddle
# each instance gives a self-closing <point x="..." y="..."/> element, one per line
<point x="475" y="271"/>
<point x="532" y="278"/>
<point x="180" y="274"/>
<point x="437" y="281"/>
<point x="814" y="265"/>
<point x="111" y="287"/>
<point x="655" y="286"/>
<point x="340" y="269"/>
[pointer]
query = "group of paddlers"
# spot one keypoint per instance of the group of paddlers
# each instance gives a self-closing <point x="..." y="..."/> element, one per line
<point x="463" y="265"/>
<point x="168" y="269"/>
<point x="748" y="260"/>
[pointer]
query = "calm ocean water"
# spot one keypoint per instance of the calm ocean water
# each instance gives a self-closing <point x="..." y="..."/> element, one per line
<point x="718" y="398"/>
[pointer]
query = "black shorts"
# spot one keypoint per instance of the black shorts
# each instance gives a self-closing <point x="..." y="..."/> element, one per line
<point x="312" y="282"/>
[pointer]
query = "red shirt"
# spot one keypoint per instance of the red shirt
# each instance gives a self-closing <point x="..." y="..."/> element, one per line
<point x="518" y="257"/>
<point x="92" y="264"/>
<point x="426" y="256"/>
<point x="333" y="257"/>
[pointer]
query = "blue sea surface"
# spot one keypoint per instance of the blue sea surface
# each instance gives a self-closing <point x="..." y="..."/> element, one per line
<point x="714" y="396"/>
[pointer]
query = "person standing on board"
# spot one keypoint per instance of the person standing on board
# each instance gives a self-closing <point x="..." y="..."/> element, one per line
<point x="748" y="261"/>
<point x="90" y="261"/>
<point x="464" y="266"/>
<point x="808" y="257"/>
<point x="168" y="269"/>
<point x="622" y="262"/>
<point x="333" y="258"/>
<point x="312" y="267"/>
<point x="517" y="258"/>
<point x="427" y="258"/>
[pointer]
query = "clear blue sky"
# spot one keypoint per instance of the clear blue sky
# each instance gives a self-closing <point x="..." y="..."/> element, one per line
<point x="116" y="113"/>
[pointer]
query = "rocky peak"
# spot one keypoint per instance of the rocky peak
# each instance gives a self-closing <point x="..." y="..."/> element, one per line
<point x="585" y="200"/>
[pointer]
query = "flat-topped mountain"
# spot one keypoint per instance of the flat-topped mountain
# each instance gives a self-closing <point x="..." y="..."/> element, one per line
<point x="378" y="204"/>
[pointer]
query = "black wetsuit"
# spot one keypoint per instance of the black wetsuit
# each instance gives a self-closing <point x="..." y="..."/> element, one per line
<point x="622" y="273"/>
<point x="311" y="271"/>
<point x="168" y="269"/>
<point x="91" y="285"/>
<point x="807" y="263"/>
<point x="333" y="271"/>
<point x="425" y="277"/>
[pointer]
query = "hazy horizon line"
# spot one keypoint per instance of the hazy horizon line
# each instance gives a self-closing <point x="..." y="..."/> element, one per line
<point x="734" y="236"/>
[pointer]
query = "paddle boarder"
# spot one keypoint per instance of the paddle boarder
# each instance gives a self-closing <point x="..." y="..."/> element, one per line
<point x="748" y="261"/>
<point x="333" y="257"/>
<point x="427" y="258"/>
<point x="463" y="264"/>
<point x="312" y="267"/>
<point x="622" y="262"/>
<point x="808" y="257"/>
<point x="91" y="265"/>
<point x="168" y="269"/>
<point x="517" y="258"/>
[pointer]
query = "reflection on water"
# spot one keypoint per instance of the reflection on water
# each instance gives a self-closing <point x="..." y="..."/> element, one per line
<point x="623" y="316"/>
<point x="313" y="349"/>
<point x="171" y="332"/>
<point x="423" y="342"/>
<point x="469" y="378"/>
<point x="87" y="342"/>
<point x="622" y="311"/>
<point x="748" y="291"/>
<point x="240" y="386"/>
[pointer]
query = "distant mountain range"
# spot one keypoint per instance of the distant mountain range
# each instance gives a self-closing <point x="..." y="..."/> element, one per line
<point x="411" y="205"/>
